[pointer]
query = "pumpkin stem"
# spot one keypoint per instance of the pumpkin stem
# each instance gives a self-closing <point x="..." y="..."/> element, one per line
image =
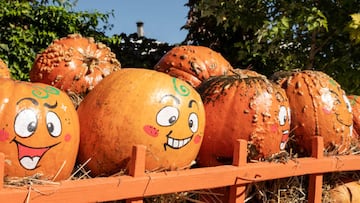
<point x="91" y="63"/>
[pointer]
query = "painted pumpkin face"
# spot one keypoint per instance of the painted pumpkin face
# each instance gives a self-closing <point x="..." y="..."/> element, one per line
<point x="319" y="108"/>
<point x="238" y="107"/>
<point x="193" y="64"/>
<point x="39" y="130"/>
<point x="139" y="106"/>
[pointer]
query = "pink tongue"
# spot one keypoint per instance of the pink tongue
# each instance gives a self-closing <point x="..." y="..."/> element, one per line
<point x="30" y="152"/>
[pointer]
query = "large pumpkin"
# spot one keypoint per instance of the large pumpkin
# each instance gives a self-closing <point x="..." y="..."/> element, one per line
<point x="248" y="108"/>
<point x="138" y="106"/>
<point x="319" y="108"/>
<point x="74" y="63"/>
<point x="355" y="104"/>
<point x="39" y="130"/>
<point x="4" y="70"/>
<point x="193" y="63"/>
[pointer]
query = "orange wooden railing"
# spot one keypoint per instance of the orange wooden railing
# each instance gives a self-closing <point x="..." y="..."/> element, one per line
<point x="138" y="184"/>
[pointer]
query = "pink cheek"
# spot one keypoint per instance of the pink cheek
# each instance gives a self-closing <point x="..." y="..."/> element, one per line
<point x="67" y="137"/>
<point x="4" y="135"/>
<point x="326" y="111"/>
<point x="151" y="130"/>
<point x="197" y="139"/>
<point x="274" y="128"/>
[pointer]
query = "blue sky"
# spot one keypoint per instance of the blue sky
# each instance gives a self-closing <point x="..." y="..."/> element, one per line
<point x="162" y="18"/>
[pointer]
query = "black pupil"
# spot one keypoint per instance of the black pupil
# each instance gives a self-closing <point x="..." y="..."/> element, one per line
<point x="50" y="127"/>
<point x="172" y="119"/>
<point x="191" y="123"/>
<point x="31" y="127"/>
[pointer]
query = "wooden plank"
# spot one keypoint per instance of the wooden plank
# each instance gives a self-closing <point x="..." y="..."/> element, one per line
<point x="125" y="187"/>
<point x="316" y="180"/>
<point x="137" y="167"/>
<point x="237" y="192"/>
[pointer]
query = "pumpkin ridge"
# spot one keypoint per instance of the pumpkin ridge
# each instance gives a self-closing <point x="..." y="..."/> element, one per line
<point x="311" y="94"/>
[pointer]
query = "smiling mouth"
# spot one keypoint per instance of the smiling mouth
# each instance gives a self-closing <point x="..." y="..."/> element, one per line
<point x="29" y="157"/>
<point x="176" y="143"/>
<point x="284" y="139"/>
<point x="338" y="118"/>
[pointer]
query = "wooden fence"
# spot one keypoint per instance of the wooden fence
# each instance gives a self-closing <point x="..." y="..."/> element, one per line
<point x="138" y="185"/>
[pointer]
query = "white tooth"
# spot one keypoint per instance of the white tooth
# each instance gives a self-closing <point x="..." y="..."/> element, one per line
<point x="181" y="143"/>
<point x="282" y="145"/>
<point x="170" y="141"/>
<point x="285" y="132"/>
<point x="187" y="140"/>
<point x="29" y="163"/>
<point x="176" y="143"/>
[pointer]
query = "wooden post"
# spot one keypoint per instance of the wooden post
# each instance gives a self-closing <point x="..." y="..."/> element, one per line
<point x="316" y="180"/>
<point x="137" y="167"/>
<point x="237" y="192"/>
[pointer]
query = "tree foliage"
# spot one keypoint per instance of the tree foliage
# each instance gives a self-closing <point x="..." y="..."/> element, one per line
<point x="274" y="35"/>
<point x="137" y="52"/>
<point x="27" y="27"/>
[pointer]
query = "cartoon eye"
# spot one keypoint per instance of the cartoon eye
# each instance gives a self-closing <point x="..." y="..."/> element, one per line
<point x="167" y="116"/>
<point x="193" y="122"/>
<point x="347" y="102"/>
<point x="282" y="115"/>
<point x="25" y="123"/>
<point x="53" y="124"/>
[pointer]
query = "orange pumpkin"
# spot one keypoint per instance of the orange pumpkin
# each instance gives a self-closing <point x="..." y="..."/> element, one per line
<point x="193" y="63"/>
<point x="355" y="104"/>
<point x="139" y="106"/>
<point x="248" y="108"/>
<point x="319" y="108"/>
<point x="4" y="70"/>
<point x="39" y="130"/>
<point x="74" y="64"/>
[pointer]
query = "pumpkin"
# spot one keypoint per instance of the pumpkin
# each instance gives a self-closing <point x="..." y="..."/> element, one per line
<point x="193" y="63"/>
<point x="74" y="64"/>
<point x="39" y="130"/>
<point x="248" y="108"/>
<point x="140" y="107"/>
<point x="346" y="192"/>
<point x="4" y="70"/>
<point x="355" y="106"/>
<point x="319" y="107"/>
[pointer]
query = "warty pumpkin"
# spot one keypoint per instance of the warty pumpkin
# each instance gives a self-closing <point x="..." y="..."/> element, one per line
<point x="319" y="107"/>
<point x="39" y="130"/>
<point x="136" y="106"/>
<point x="248" y="108"/>
<point x="193" y="64"/>
<point x="4" y="70"/>
<point x="74" y="64"/>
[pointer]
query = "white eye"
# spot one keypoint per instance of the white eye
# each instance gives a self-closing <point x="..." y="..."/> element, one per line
<point x="282" y="115"/>
<point x="193" y="122"/>
<point x="25" y="123"/>
<point x="167" y="116"/>
<point x="53" y="124"/>
<point x="347" y="102"/>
